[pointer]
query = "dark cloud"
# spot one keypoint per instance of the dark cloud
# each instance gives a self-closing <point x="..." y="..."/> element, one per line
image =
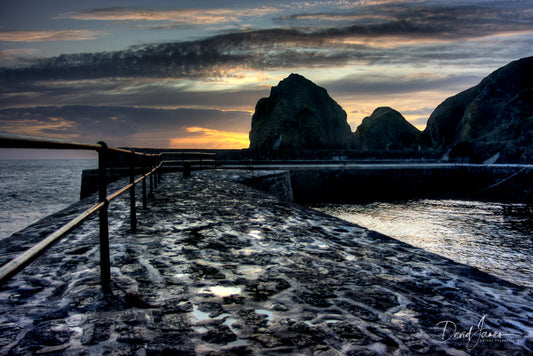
<point x="161" y="94"/>
<point x="390" y="84"/>
<point x="420" y="120"/>
<point x="299" y="46"/>
<point x="424" y="20"/>
<point x="113" y="92"/>
<point x="421" y="111"/>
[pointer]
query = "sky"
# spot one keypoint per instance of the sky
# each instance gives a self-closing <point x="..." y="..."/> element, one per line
<point x="187" y="74"/>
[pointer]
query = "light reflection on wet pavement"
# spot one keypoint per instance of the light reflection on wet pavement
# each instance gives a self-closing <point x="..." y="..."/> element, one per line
<point x="220" y="267"/>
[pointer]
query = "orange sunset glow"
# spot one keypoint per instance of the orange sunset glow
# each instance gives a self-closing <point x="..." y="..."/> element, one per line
<point x="207" y="138"/>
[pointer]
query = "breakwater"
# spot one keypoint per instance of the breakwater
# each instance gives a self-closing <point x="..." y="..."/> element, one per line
<point x="382" y="182"/>
<point x="358" y="182"/>
<point x="344" y="182"/>
<point x="218" y="267"/>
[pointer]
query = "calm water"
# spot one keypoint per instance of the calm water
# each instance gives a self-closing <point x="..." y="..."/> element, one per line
<point x="494" y="237"/>
<point x="33" y="189"/>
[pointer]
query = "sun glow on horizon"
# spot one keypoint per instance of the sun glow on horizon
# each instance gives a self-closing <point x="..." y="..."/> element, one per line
<point x="210" y="138"/>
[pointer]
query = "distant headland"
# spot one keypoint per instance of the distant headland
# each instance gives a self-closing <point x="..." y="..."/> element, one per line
<point x="491" y="122"/>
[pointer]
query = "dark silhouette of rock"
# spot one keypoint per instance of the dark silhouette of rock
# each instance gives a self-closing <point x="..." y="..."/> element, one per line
<point x="385" y="129"/>
<point x="493" y="119"/>
<point x="298" y="114"/>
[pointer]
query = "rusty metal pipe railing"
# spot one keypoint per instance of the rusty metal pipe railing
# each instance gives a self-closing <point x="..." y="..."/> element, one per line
<point x="133" y="207"/>
<point x="15" y="141"/>
<point x="145" y="203"/>
<point x="105" y="265"/>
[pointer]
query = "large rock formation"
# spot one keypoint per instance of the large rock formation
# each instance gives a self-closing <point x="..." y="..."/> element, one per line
<point x="385" y="129"/>
<point x="492" y="119"/>
<point x="298" y="114"/>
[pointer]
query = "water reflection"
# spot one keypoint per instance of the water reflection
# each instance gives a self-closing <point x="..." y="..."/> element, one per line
<point x="494" y="237"/>
<point x="221" y="291"/>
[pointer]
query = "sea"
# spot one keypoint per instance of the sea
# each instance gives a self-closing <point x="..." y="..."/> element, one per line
<point x="31" y="189"/>
<point x="494" y="237"/>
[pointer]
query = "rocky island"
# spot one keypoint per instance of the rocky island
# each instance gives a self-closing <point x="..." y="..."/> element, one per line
<point x="493" y="120"/>
<point x="299" y="114"/>
<point x="385" y="129"/>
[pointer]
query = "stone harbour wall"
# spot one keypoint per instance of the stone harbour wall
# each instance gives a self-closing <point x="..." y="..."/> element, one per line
<point x="402" y="182"/>
<point x="276" y="183"/>
<point x="220" y="268"/>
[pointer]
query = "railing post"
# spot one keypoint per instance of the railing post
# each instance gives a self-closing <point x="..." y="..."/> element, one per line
<point x="159" y="171"/>
<point x="151" y="195"/>
<point x="133" y="208"/>
<point x="144" y="180"/>
<point x="154" y="159"/>
<point x="105" y="265"/>
<point x="186" y="169"/>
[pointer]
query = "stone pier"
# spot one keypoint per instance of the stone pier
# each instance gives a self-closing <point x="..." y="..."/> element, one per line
<point x="220" y="268"/>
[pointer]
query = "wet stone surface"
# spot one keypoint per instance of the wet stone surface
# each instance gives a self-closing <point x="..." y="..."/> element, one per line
<point x="220" y="268"/>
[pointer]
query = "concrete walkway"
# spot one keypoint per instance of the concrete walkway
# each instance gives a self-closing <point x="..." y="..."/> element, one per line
<point x="220" y="268"/>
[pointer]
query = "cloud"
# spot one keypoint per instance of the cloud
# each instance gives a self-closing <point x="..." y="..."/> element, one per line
<point x="423" y="19"/>
<point x="393" y="33"/>
<point x="16" y="57"/>
<point x="420" y="121"/>
<point x="381" y="84"/>
<point x="140" y="92"/>
<point x="51" y="127"/>
<point x="182" y="16"/>
<point x="119" y="126"/>
<point x="420" y="111"/>
<point x="43" y="36"/>
<point x="175" y="17"/>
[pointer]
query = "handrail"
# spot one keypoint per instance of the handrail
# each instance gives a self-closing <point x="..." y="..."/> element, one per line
<point x="22" y="141"/>
<point x="17" y="141"/>
<point x="18" y="263"/>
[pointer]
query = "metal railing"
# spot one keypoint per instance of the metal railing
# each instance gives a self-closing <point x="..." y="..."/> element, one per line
<point x="188" y="160"/>
<point x="150" y="168"/>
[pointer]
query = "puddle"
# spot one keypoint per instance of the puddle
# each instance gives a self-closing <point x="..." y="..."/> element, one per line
<point x="230" y="321"/>
<point x="350" y="257"/>
<point x="200" y="315"/>
<point x="247" y="251"/>
<point x="256" y="234"/>
<point x="260" y="219"/>
<point x="200" y="329"/>
<point x="268" y="313"/>
<point x="221" y="291"/>
<point x="249" y="270"/>
<point x="238" y="342"/>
